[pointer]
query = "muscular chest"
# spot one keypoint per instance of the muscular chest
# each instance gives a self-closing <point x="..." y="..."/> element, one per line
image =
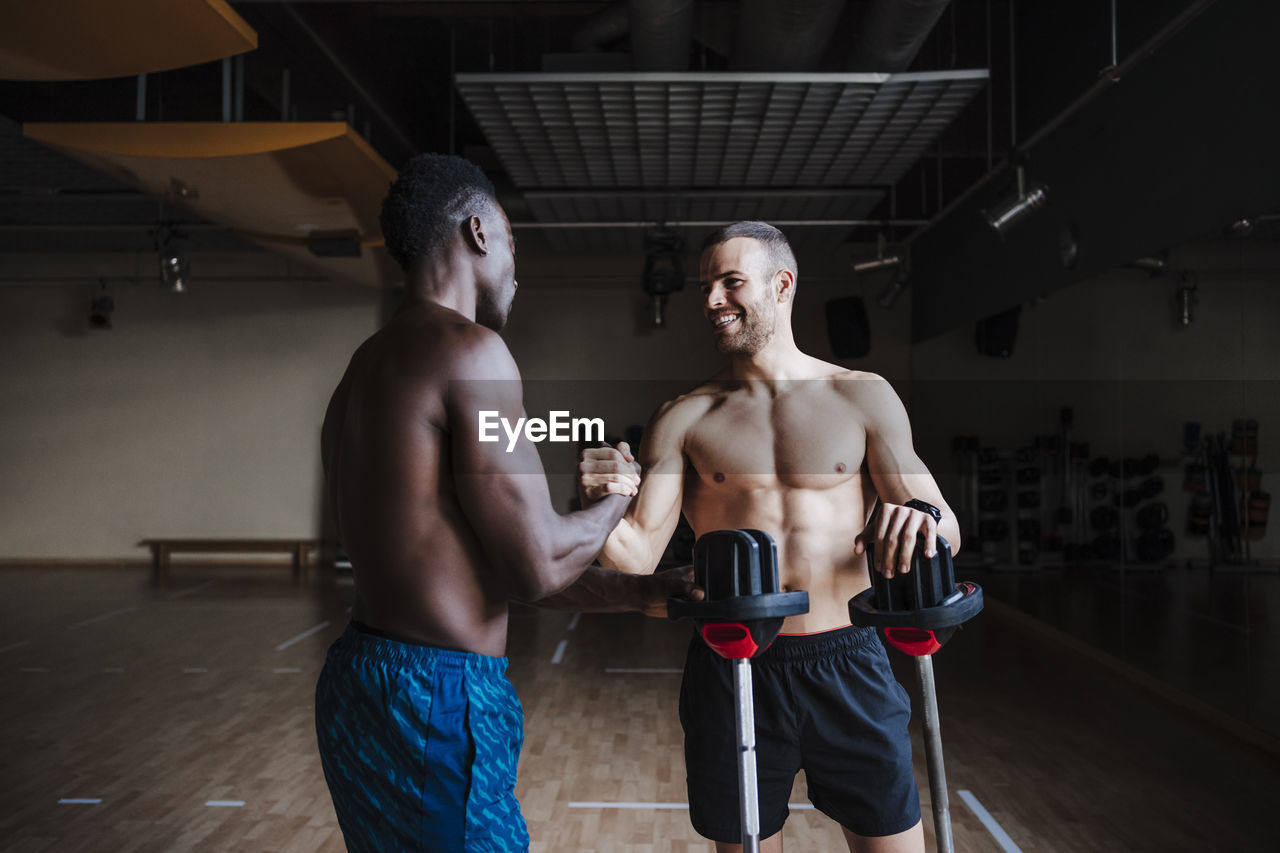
<point x="803" y="439"/>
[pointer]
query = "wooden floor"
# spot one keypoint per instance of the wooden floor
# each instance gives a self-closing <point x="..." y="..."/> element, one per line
<point x="186" y="713"/>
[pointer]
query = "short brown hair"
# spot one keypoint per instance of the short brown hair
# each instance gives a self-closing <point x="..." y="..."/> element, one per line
<point x="775" y="242"/>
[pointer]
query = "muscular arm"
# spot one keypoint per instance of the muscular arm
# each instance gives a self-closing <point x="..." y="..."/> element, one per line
<point x="504" y="495"/>
<point x="601" y="590"/>
<point x="637" y="543"/>
<point x="897" y="472"/>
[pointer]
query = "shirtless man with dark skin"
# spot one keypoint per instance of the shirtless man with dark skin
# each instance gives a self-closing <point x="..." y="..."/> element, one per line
<point x="418" y="727"/>
<point x="783" y="442"/>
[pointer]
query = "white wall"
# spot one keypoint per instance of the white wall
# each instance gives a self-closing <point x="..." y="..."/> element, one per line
<point x="198" y="414"/>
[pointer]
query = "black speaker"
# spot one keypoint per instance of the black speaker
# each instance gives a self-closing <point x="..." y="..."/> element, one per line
<point x="847" y="327"/>
<point x="995" y="335"/>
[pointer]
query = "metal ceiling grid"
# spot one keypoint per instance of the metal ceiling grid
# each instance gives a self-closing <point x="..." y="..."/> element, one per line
<point x="576" y="130"/>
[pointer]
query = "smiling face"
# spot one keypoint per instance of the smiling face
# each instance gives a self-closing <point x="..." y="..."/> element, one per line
<point x="738" y="295"/>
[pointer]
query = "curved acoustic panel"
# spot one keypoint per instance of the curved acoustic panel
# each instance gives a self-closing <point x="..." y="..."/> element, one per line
<point x="291" y="187"/>
<point x="93" y="39"/>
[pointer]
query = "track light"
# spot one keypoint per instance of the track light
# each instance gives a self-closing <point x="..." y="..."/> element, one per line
<point x="663" y="270"/>
<point x="174" y="267"/>
<point x="871" y="265"/>
<point x="1153" y="264"/>
<point x="881" y="261"/>
<point x="1241" y="228"/>
<point x="173" y="271"/>
<point x="1008" y="213"/>
<point x="101" y="304"/>
<point x="1185" y="300"/>
<point x="893" y="290"/>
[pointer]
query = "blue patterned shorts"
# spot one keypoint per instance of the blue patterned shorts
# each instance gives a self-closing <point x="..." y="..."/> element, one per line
<point x="419" y="747"/>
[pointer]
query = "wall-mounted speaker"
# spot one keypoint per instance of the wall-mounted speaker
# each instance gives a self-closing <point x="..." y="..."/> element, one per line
<point x="995" y="335"/>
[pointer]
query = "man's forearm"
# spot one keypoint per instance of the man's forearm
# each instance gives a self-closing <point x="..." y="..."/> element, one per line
<point x="627" y="550"/>
<point x="579" y="538"/>
<point x="598" y="590"/>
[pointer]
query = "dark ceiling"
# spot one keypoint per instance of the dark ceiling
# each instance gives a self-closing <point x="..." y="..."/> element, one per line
<point x="388" y="69"/>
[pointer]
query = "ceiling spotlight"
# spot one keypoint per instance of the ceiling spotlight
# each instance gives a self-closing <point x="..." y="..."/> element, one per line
<point x="101" y="305"/>
<point x="1009" y="212"/>
<point x="663" y="270"/>
<point x="1185" y="301"/>
<point x="1069" y="247"/>
<point x="1241" y="228"/>
<point x="1152" y="264"/>
<point x="173" y="271"/>
<point x="893" y="290"/>
<point x="173" y="265"/>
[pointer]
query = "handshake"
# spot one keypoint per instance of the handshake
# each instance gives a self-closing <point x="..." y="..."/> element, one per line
<point x="607" y="470"/>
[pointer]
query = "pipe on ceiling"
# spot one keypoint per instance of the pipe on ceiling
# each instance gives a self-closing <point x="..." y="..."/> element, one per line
<point x="892" y="33"/>
<point x="608" y="25"/>
<point x="661" y="34"/>
<point x="792" y="36"/>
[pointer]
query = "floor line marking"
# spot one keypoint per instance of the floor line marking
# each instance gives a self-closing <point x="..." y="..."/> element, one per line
<point x="79" y="801"/>
<point x="997" y="831"/>
<point x="307" y="633"/>
<point x="600" y="805"/>
<point x="624" y="671"/>
<point x="16" y="645"/>
<point x="101" y="618"/>
<point x="573" y="623"/>
<point x="628" y="805"/>
<point x="559" y="655"/>
<point x="224" y="804"/>
<point x="190" y="590"/>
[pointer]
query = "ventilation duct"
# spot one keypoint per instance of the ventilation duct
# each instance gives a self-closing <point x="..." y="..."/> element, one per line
<point x="774" y="36"/>
<point x="608" y="25"/>
<point x="891" y="34"/>
<point x="661" y="34"/>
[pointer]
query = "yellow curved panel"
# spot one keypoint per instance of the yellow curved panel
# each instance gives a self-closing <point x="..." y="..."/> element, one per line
<point x="276" y="182"/>
<point x="183" y="139"/>
<point x="94" y="39"/>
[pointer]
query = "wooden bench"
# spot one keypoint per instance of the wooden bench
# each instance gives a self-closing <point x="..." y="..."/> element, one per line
<point x="162" y="549"/>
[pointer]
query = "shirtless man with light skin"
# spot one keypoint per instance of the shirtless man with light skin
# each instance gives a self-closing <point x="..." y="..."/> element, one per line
<point x="799" y="448"/>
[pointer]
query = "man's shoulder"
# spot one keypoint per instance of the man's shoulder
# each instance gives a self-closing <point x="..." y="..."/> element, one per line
<point x="854" y="379"/>
<point x="674" y="418"/>
<point x="452" y="345"/>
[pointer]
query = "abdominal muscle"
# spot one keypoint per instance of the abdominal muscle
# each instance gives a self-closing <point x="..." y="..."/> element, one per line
<point x="814" y="528"/>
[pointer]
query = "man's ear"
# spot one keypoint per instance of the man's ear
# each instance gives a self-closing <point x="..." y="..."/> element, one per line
<point x="473" y="234"/>
<point x="784" y="284"/>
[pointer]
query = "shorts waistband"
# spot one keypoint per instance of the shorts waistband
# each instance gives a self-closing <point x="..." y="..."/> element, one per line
<point x="360" y="641"/>
<point x="808" y="646"/>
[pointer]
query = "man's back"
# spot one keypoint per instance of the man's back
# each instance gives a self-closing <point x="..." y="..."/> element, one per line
<point x="420" y="572"/>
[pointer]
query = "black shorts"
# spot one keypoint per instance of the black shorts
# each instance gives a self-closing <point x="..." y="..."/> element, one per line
<point x="825" y="703"/>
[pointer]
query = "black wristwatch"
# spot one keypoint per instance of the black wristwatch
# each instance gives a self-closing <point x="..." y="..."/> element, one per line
<point x="924" y="507"/>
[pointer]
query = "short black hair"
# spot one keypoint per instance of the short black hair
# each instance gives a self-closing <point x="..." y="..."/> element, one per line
<point x="775" y="242"/>
<point x="432" y="196"/>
